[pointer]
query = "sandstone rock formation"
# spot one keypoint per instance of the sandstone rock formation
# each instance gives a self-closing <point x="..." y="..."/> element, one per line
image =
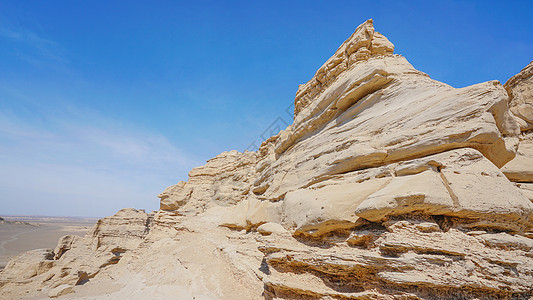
<point x="520" y="89"/>
<point x="519" y="170"/>
<point x="388" y="185"/>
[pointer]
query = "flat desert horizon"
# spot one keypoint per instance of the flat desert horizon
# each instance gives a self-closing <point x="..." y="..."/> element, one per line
<point x="19" y="234"/>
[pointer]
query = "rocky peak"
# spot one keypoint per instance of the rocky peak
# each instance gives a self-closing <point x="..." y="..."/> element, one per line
<point x="388" y="185"/>
<point x="363" y="44"/>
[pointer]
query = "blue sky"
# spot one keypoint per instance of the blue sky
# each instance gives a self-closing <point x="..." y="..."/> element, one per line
<point x="105" y="103"/>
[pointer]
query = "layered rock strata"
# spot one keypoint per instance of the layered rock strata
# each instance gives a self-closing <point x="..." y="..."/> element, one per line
<point x="520" y="89"/>
<point x="388" y="185"/>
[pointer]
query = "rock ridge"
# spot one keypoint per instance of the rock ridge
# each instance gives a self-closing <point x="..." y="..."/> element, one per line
<point x="388" y="185"/>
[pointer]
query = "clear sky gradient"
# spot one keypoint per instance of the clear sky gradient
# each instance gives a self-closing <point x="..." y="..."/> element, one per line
<point x="105" y="103"/>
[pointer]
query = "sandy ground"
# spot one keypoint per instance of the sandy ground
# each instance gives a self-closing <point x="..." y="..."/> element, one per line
<point x="36" y="233"/>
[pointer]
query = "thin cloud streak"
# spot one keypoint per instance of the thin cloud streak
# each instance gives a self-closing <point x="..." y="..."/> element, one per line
<point x="86" y="163"/>
<point x="39" y="47"/>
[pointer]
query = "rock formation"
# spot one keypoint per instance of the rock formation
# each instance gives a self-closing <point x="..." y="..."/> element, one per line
<point x="388" y="185"/>
<point x="520" y="170"/>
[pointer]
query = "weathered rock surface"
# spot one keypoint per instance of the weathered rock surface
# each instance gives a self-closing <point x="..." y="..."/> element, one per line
<point x="225" y="180"/>
<point x="520" y="170"/>
<point x="135" y="255"/>
<point x="406" y="261"/>
<point x="60" y="290"/>
<point x="75" y="260"/>
<point x="388" y="185"/>
<point x="520" y="89"/>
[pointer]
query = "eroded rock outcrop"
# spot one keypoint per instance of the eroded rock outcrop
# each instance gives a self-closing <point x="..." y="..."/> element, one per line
<point x="388" y="185"/>
<point x="75" y="260"/>
<point x="225" y="180"/>
<point x="364" y="43"/>
<point x="520" y="88"/>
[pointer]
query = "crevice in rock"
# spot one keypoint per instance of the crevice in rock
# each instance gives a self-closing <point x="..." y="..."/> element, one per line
<point x="448" y="187"/>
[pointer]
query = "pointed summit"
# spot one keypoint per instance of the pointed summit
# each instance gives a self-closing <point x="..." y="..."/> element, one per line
<point x="363" y="44"/>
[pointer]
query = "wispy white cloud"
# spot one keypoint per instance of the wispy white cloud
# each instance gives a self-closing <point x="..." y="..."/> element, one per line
<point x="77" y="161"/>
<point x="37" y="47"/>
<point x="25" y="36"/>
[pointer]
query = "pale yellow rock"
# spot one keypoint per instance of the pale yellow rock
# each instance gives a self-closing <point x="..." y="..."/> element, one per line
<point x="429" y="265"/>
<point x="250" y="213"/>
<point x="60" y="290"/>
<point x="452" y="183"/>
<point x="125" y="229"/>
<point x="225" y="179"/>
<point x="526" y="189"/>
<point x="520" y="88"/>
<point x="412" y="116"/>
<point x="262" y="211"/>
<point x="27" y="265"/>
<point x="482" y="193"/>
<point x="427" y="227"/>
<point x="364" y="43"/>
<point x="235" y="217"/>
<point x="507" y="241"/>
<point x="171" y="257"/>
<point x="272" y="228"/>
<point x="520" y="168"/>
<point x="174" y="196"/>
<point x="316" y="211"/>
<point x="423" y="192"/>
<point x="373" y="113"/>
<point x="65" y="244"/>
<point x="386" y="186"/>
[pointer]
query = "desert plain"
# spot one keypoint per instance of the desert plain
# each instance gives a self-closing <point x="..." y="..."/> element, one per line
<point x="19" y="234"/>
